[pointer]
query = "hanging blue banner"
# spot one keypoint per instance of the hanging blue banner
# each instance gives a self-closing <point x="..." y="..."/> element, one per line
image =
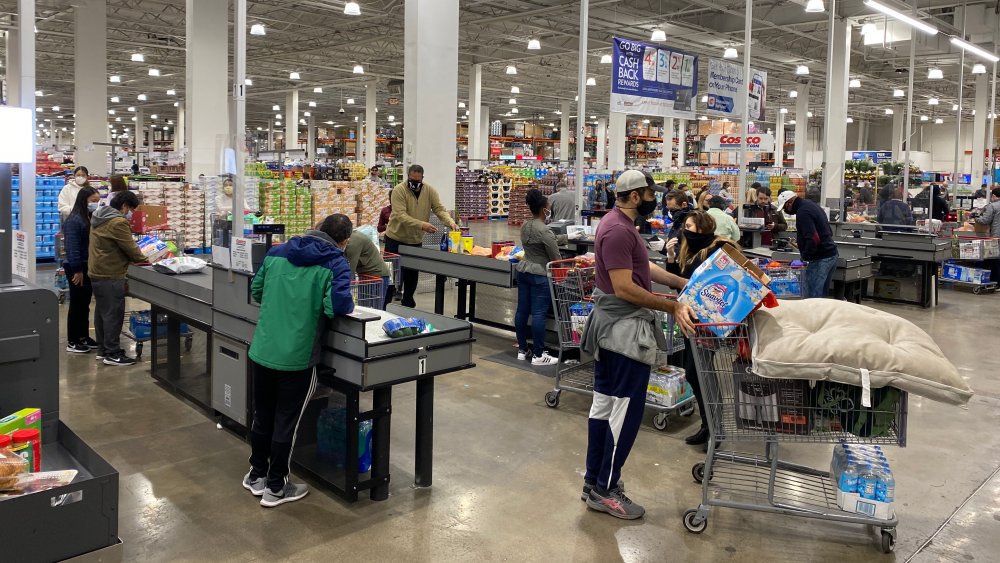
<point x="652" y="80"/>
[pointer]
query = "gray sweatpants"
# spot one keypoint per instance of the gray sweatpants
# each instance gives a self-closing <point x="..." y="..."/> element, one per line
<point x="109" y="315"/>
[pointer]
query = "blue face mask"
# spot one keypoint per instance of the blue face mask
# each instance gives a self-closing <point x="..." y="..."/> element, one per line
<point x="129" y="215"/>
<point x="92" y="207"/>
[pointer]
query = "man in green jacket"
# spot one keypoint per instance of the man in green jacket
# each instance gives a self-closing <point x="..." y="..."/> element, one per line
<point x="412" y="203"/>
<point x="110" y="251"/>
<point x="366" y="260"/>
<point x="301" y="283"/>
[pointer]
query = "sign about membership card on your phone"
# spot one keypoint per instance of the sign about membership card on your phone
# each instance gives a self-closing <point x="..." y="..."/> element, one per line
<point x="725" y="90"/>
<point x="653" y="80"/>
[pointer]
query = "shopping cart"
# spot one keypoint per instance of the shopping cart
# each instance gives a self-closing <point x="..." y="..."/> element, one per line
<point x="787" y="282"/>
<point x="742" y="407"/>
<point x="571" y="287"/>
<point x="392" y="262"/>
<point x="138" y="327"/>
<point x="368" y="292"/>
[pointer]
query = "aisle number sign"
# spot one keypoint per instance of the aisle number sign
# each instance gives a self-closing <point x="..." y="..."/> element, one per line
<point x="757" y="142"/>
<point x="725" y="90"/>
<point x="651" y="80"/>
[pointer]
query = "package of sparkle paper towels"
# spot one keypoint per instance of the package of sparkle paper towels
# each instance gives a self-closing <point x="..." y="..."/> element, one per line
<point x="726" y="288"/>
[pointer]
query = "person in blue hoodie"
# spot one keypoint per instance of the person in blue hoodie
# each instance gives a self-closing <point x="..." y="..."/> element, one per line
<point x="300" y="285"/>
<point x="76" y="239"/>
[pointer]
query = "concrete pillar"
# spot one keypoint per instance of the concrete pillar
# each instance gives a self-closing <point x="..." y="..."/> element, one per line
<point x="475" y="107"/>
<point x="207" y="87"/>
<point x="602" y="144"/>
<point x="979" y="130"/>
<point x="151" y="146"/>
<point x="862" y="133"/>
<point x="898" y="117"/>
<point x="90" y="71"/>
<point x="564" y="131"/>
<point x="179" y="130"/>
<point x="311" y="140"/>
<point x="779" y="141"/>
<point x="667" y="156"/>
<point x="140" y="135"/>
<point x="270" y="134"/>
<point x="835" y="128"/>
<point x="802" y="127"/>
<point x="431" y="91"/>
<point x="371" y="127"/>
<point x="26" y="97"/>
<point x="682" y="130"/>
<point x="291" y="120"/>
<point x="616" y="141"/>
<point x="484" y="135"/>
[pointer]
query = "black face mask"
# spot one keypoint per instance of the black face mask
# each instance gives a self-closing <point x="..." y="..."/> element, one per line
<point x="646" y="207"/>
<point x="697" y="241"/>
<point x="415" y="185"/>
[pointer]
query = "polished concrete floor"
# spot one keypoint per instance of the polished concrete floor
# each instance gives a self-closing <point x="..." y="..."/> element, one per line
<point x="508" y="472"/>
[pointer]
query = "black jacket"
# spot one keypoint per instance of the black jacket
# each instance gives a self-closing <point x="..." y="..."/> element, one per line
<point x="812" y="231"/>
<point x="76" y="238"/>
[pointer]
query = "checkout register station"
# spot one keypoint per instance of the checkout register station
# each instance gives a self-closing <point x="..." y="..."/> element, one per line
<point x="214" y="307"/>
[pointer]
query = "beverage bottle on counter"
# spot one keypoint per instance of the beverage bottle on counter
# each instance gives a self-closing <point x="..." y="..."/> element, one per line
<point x="867" y="481"/>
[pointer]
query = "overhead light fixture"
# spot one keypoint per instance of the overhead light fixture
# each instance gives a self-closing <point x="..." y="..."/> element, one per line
<point x="258" y="29"/>
<point x="352" y="9"/>
<point x="114" y="78"/>
<point x="461" y="105"/>
<point x="934" y="74"/>
<point x="131" y="109"/>
<point x="704" y="99"/>
<point x="792" y="122"/>
<point x="110" y="111"/>
<point x="115" y="99"/>
<point x="591" y="81"/>
<point x="730" y="53"/>
<point x="534" y="45"/>
<point x="888" y="111"/>
<point x="513" y="110"/>
<point x="154" y="117"/>
<point x="703" y="118"/>
<point x="938" y="121"/>
<point x="512" y="101"/>
<point x="783" y="111"/>
<point x="557" y="112"/>
<point x="658" y="35"/>
<point x="801" y="70"/>
<point x="854" y="83"/>
<point x="138" y="58"/>
<point x="897" y="93"/>
<point x="793" y="93"/>
<point x="302" y="122"/>
<point x="605" y="59"/>
<point x="277" y="123"/>
<point x="358" y="69"/>
<point x="171" y="92"/>
<point x="932" y="102"/>
<point x="307" y="114"/>
<point x="966" y="46"/>
<point x="294" y="76"/>
<point x="141" y="97"/>
<point x="312" y="104"/>
<point x="177" y="104"/>
<point x="809" y="114"/>
<point x="41" y="110"/>
<point x="392" y="118"/>
<point x="868" y="28"/>
<point x="593" y="117"/>
<point x="645" y="122"/>
<point x="278" y="116"/>
<point x="924" y="118"/>
<point x="154" y="72"/>
<point x="954" y="107"/>
<point x="979" y="68"/>
<point x="248" y="82"/>
<point x="815" y="7"/>
<point x="328" y="123"/>
<point x="513" y="90"/>
<point x="350" y="101"/>
<point x="511" y="69"/>
<point x="850" y="120"/>
<point x="929" y="29"/>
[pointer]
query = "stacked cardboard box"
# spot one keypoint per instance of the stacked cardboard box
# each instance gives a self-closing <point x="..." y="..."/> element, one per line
<point x="331" y="197"/>
<point x="287" y="203"/>
<point x="372" y="197"/>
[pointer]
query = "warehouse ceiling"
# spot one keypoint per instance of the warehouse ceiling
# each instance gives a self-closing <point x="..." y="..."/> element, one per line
<point x="316" y="39"/>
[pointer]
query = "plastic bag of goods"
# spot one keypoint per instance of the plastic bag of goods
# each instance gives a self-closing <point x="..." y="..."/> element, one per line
<point x="370" y="232"/>
<point x="180" y="265"/>
<point x="401" y="327"/>
<point x="11" y="468"/>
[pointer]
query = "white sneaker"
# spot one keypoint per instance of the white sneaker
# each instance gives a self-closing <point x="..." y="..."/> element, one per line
<point x="544" y="360"/>
<point x="521" y="356"/>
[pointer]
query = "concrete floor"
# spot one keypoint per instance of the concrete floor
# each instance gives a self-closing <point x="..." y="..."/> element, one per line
<point x="508" y="472"/>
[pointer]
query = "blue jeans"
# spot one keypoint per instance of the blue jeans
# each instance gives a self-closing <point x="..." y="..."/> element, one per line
<point x="533" y="299"/>
<point x="819" y="274"/>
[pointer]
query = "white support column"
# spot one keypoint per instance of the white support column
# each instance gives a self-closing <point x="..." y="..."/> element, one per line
<point x="431" y="91"/>
<point x="270" y="134"/>
<point x="475" y="107"/>
<point x="13" y="66"/>
<point x="26" y="65"/>
<point x="667" y="156"/>
<point x="151" y="146"/>
<point x="179" y="130"/>
<point x="371" y="126"/>
<point x="311" y="140"/>
<point x="835" y="129"/>
<point x="898" y="117"/>
<point x="484" y="135"/>
<point x="565" y="132"/>
<point x="602" y="144"/>
<point x="207" y="87"/>
<point x="140" y="134"/>
<point x="682" y="130"/>
<point x="616" y="141"/>
<point x="292" y="120"/>
<point x="860" y="124"/>
<point x="802" y="127"/>
<point x="90" y="70"/>
<point x="979" y="129"/>
<point x="779" y="142"/>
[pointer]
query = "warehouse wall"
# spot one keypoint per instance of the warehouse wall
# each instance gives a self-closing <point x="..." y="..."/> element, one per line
<point x="939" y="141"/>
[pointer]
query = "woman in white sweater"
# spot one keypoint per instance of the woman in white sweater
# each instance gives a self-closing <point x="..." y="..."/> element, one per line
<point x="67" y="196"/>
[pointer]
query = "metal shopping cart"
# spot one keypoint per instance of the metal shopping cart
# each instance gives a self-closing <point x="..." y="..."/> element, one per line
<point x="392" y="262"/>
<point x="138" y="327"/>
<point x="787" y="282"/>
<point x="571" y="286"/>
<point x="368" y="292"/>
<point x="742" y="407"/>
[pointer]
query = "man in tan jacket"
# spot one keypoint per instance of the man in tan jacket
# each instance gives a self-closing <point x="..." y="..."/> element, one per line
<point x="412" y="203"/>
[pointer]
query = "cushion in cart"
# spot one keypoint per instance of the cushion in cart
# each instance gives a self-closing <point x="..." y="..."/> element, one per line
<point x="826" y="339"/>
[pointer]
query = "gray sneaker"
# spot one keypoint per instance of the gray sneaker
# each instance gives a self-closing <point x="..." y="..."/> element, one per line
<point x="588" y="486"/>
<point x="255" y="486"/>
<point x="615" y="503"/>
<point x="290" y="492"/>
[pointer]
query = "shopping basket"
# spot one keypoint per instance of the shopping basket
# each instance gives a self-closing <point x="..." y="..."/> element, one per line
<point x="743" y="407"/>
<point x="787" y="282"/>
<point x="138" y="327"/>
<point x="392" y="262"/>
<point x="368" y="292"/>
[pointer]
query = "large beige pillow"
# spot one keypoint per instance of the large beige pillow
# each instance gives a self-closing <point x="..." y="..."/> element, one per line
<point x="826" y="339"/>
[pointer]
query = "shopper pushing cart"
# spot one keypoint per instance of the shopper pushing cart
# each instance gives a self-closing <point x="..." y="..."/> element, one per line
<point x="623" y="337"/>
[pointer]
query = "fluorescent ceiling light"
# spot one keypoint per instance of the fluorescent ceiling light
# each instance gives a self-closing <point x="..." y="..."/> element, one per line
<point x="703" y="118"/>
<point x="110" y="111"/>
<point x="934" y="74"/>
<point x="511" y="69"/>
<point x="792" y="122"/>
<point x="40" y="110"/>
<point x="177" y="104"/>
<point x="115" y="78"/>
<point x="154" y="116"/>
<point x="466" y="112"/>
<point x="534" y="45"/>
<point x="294" y="76"/>
<point x="248" y="82"/>
<point x="277" y="123"/>
<point x="932" y="102"/>
<point x="809" y="114"/>
<point x="141" y="97"/>
<point x="730" y="53"/>
<point x="888" y="111"/>
<point x="352" y="9"/>
<point x="275" y="107"/>
<point x="793" y="93"/>
<point x="513" y="90"/>
<point x="358" y="69"/>
<point x="302" y="122"/>
<point x="258" y="29"/>
<point x="704" y="99"/>
<point x="461" y="105"/>
<point x="929" y="29"/>
<point x="591" y="81"/>
<point x="605" y="59"/>
<point x="783" y="111"/>
<point x="815" y="6"/>
<point x="966" y="46"/>
<point x="154" y="72"/>
<point x="131" y="109"/>
<point x="115" y="99"/>
<point x="979" y="68"/>
<point x="954" y="107"/>
<point x="939" y="121"/>
<point x="277" y="116"/>
<point x="513" y="110"/>
<point x="312" y="104"/>
<point x="350" y="101"/>
<point x="924" y="118"/>
<point x="171" y="92"/>
<point x="307" y="114"/>
<point x="317" y="90"/>
<point x="868" y="28"/>
<point x="854" y="83"/>
<point x="138" y="58"/>
<point x="658" y="35"/>
<point x="850" y="120"/>
<point x="328" y="123"/>
<point x="897" y="93"/>
<point x="392" y="118"/>
<point x="512" y="101"/>
<point x="802" y="70"/>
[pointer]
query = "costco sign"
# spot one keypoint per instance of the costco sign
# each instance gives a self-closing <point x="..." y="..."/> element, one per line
<point x="757" y="142"/>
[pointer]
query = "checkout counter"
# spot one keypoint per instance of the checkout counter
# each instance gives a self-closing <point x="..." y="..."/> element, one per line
<point x="357" y="358"/>
<point x="850" y="278"/>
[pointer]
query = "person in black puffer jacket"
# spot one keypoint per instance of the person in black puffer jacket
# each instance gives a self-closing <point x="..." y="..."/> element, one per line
<point x="76" y="234"/>
<point x="814" y="238"/>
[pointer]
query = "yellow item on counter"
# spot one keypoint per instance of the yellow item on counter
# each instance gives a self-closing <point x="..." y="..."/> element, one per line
<point x="467" y="244"/>
<point x="455" y="242"/>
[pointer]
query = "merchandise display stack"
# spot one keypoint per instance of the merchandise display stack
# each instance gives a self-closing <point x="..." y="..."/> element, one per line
<point x="372" y="198"/>
<point x="46" y="213"/>
<point x="798" y="185"/>
<point x="329" y="198"/>
<point x="499" y="196"/>
<point x="472" y="194"/>
<point x="185" y="208"/>
<point x="519" y="212"/>
<point x="287" y="203"/>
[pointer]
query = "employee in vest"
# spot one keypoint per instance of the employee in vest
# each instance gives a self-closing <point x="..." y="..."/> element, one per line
<point x="412" y="202"/>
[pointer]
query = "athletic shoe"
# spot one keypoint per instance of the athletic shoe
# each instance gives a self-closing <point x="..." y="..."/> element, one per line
<point x="289" y="493"/>
<point x="522" y="356"/>
<point x="544" y="360"/>
<point x="78" y="348"/>
<point x="119" y="359"/>
<point x="587" y="487"/>
<point x="100" y="356"/>
<point x="615" y="503"/>
<point x="255" y="486"/>
<point x="90" y="343"/>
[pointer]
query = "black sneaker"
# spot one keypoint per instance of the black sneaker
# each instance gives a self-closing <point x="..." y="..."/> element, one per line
<point x="100" y="356"/>
<point x="78" y="348"/>
<point x="90" y="342"/>
<point x="119" y="360"/>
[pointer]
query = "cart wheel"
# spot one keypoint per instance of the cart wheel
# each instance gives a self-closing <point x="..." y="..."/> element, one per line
<point x="977" y="290"/>
<point x="888" y="541"/>
<point x="187" y="343"/>
<point x="660" y="421"/>
<point x="138" y="351"/>
<point x="693" y="522"/>
<point x="698" y="472"/>
<point x="688" y="411"/>
<point x="552" y="399"/>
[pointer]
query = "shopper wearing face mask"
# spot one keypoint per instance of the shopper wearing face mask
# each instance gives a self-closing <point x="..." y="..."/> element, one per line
<point x="76" y="231"/>
<point x="224" y="199"/>
<point x="67" y="196"/>
<point x="110" y="252"/>
<point x="412" y="203"/>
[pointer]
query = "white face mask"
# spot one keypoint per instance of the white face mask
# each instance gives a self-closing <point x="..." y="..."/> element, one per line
<point x="81" y="180"/>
